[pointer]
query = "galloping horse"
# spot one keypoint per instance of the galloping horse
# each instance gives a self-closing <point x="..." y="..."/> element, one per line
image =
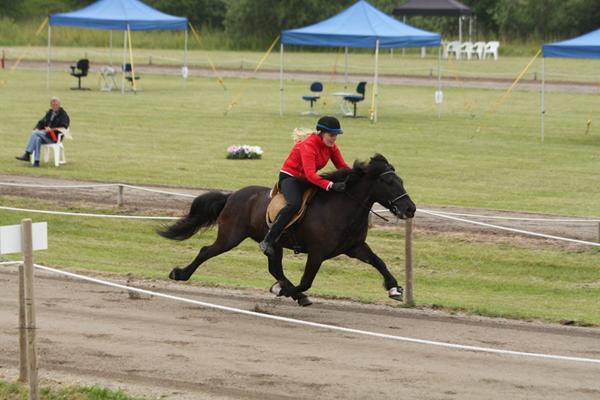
<point x="334" y="224"/>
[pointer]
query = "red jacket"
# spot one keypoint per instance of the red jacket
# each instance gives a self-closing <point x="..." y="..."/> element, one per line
<point x="309" y="156"/>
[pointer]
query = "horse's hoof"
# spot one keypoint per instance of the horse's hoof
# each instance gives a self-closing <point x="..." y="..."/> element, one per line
<point x="176" y="275"/>
<point x="396" y="293"/>
<point x="304" y="301"/>
<point x="276" y="289"/>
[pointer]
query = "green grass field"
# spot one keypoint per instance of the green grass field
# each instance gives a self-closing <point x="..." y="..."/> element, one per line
<point x="13" y="391"/>
<point x="177" y="133"/>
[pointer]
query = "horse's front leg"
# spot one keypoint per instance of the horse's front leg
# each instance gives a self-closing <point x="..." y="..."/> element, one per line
<point x="364" y="253"/>
<point x="283" y="286"/>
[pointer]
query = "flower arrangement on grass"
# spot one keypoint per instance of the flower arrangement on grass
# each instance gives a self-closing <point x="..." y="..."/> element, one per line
<point x="244" y="152"/>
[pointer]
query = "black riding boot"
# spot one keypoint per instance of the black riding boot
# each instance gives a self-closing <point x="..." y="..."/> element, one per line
<point x="268" y="243"/>
<point x="24" y="157"/>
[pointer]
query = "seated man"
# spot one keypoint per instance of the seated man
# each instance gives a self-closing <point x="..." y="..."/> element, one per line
<point x="46" y="131"/>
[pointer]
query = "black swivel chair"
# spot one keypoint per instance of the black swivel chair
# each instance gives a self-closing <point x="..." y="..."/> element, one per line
<point x="79" y="71"/>
<point x="355" y="98"/>
<point x="315" y="87"/>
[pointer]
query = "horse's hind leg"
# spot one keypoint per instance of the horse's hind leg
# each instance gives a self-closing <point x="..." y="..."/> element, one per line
<point x="283" y="285"/>
<point x="227" y="239"/>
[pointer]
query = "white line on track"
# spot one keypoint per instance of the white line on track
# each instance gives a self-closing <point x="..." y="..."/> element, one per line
<point x="319" y="325"/>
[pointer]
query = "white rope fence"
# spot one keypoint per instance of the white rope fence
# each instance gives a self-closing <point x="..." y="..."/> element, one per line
<point x="74" y="214"/>
<point x="316" y="324"/>
<point x="438" y="214"/>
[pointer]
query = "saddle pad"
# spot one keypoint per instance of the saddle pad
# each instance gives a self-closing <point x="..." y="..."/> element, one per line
<point x="278" y="202"/>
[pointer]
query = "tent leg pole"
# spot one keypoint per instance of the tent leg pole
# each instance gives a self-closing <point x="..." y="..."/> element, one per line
<point x="281" y="79"/>
<point x="124" y="62"/>
<point x="470" y="29"/>
<point x="376" y="83"/>
<point x="460" y="28"/>
<point x="49" y="57"/>
<point x="439" y="82"/>
<point x="110" y="56"/>
<point x="346" y="67"/>
<point x="184" y="70"/>
<point x="543" y="107"/>
<point x="404" y="22"/>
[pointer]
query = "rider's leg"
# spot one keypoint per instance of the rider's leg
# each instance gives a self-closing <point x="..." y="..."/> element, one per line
<point x="292" y="190"/>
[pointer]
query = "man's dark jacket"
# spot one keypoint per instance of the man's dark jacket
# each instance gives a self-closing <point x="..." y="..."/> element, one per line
<point x="60" y="120"/>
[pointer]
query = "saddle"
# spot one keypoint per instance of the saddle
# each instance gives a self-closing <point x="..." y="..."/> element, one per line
<point x="278" y="202"/>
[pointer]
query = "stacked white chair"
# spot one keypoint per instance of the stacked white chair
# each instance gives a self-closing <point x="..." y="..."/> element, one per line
<point x="491" y="49"/>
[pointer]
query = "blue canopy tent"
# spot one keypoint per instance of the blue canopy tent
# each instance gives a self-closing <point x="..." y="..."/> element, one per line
<point x="125" y="15"/>
<point x="584" y="46"/>
<point x="359" y="26"/>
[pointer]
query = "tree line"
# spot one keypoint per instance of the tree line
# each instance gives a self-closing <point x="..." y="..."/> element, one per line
<point x="257" y="22"/>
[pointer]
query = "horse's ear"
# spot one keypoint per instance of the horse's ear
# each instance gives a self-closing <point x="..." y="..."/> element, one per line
<point x="359" y="166"/>
<point x="378" y="158"/>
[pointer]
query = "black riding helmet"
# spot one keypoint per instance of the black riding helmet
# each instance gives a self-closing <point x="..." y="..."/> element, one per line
<point x="329" y="125"/>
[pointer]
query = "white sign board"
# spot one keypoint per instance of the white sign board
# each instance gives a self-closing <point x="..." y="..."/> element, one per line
<point x="10" y="237"/>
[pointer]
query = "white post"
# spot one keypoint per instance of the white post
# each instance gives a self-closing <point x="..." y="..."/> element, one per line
<point x="376" y="82"/>
<point x="345" y="68"/>
<point x="110" y="57"/>
<point x="281" y="79"/>
<point x="543" y="110"/>
<point x="124" y="61"/>
<point x="460" y="28"/>
<point x="27" y="248"/>
<point x="49" y="55"/>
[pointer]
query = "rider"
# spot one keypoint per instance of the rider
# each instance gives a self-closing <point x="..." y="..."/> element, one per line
<point x="300" y="170"/>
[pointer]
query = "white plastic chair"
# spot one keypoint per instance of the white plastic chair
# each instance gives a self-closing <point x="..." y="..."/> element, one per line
<point x="451" y="47"/>
<point x="491" y="48"/>
<point x="58" y="149"/>
<point x="107" y="78"/>
<point x="478" y="49"/>
<point x="466" y="48"/>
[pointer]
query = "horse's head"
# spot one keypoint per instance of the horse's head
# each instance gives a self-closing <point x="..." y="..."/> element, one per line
<point x="388" y="189"/>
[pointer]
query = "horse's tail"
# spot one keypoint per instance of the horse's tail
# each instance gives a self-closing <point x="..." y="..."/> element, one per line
<point x="204" y="213"/>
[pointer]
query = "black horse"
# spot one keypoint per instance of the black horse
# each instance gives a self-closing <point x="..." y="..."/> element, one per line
<point x="334" y="224"/>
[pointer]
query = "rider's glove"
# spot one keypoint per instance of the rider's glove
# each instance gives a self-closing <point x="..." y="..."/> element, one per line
<point x="338" y="186"/>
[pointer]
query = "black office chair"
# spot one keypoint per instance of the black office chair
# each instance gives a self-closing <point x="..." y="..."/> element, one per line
<point x="355" y="98"/>
<point x="79" y="71"/>
<point x="315" y="87"/>
<point x="128" y="76"/>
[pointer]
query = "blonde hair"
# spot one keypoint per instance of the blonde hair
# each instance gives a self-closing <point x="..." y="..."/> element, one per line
<point x="301" y="134"/>
<point x="54" y="98"/>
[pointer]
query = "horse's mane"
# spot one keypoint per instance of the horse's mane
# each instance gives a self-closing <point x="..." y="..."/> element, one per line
<point x="376" y="165"/>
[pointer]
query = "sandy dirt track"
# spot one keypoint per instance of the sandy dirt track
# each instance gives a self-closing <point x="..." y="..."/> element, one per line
<point x="91" y="334"/>
<point x="386" y="79"/>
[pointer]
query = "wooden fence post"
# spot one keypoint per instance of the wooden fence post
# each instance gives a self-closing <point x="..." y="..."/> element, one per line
<point x="120" y="196"/>
<point x="27" y="248"/>
<point x="22" y="328"/>
<point x="408" y="271"/>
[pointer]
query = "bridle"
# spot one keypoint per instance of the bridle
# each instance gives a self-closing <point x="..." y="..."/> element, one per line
<point x="391" y="205"/>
